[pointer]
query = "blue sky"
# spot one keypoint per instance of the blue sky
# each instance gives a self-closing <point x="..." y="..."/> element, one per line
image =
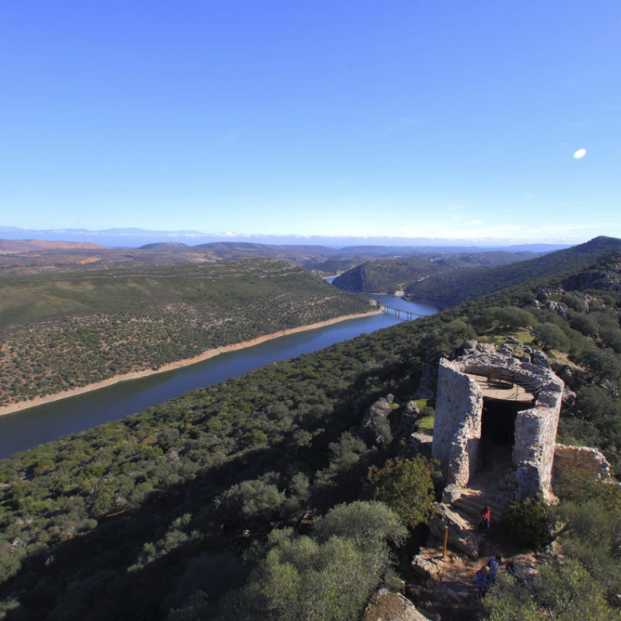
<point x="451" y="119"/>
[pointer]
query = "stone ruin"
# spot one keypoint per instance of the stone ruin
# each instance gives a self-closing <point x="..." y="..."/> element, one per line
<point x="495" y="438"/>
<point x="491" y="405"/>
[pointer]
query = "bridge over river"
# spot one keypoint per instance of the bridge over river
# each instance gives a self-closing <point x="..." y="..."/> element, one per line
<point x="400" y="313"/>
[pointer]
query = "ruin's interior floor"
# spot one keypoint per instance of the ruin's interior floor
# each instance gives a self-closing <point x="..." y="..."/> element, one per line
<point x="514" y="393"/>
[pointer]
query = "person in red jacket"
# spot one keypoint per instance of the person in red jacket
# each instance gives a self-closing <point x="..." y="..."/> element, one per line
<point x="486" y="518"/>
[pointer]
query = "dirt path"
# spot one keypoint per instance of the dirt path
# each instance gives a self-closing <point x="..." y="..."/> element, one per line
<point x="455" y="596"/>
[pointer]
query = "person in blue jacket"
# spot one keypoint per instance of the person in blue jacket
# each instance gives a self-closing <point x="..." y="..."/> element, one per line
<point x="482" y="578"/>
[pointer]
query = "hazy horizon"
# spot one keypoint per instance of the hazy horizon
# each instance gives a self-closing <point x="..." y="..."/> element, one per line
<point x="135" y="237"/>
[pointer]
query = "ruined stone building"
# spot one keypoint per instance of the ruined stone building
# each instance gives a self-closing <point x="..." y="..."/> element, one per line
<point x="495" y="411"/>
<point x="496" y="420"/>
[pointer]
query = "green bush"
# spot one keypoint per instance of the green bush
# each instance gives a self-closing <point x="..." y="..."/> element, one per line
<point x="552" y="337"/>
<point x="406" y="486"/>
<point x="529" y="522"/>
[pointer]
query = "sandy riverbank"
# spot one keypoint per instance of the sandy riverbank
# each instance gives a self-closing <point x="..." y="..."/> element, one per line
<point x="210" y="353"/>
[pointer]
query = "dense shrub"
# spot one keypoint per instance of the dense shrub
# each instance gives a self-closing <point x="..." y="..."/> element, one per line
<point x="529" y="522"/>
<point x="552" y="337"/>
<point x="406" y="486"/>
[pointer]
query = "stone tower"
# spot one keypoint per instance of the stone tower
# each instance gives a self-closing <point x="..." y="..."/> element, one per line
<point x="495" y="411"/>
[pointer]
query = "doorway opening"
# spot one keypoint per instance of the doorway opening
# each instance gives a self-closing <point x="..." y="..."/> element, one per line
<point x="498" y="432"/>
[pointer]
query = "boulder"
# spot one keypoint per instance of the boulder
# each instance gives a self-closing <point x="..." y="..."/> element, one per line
<point x="524" y="568"/>
<point x="469" y="345"/>
<point x="426" y="567"/>
<point x="486" y="348"/>
<point x="557" y="366"/>
<point x="460" y="533"/>
<point x="569" y="397"/>
<point x="375" y="426"/>
<point x="421" y="441"/>
<point x="409" y="416"/>
<point x="567" y="375"/>
<point x="539" y="359"/>
<point x="451" y="493"/>
<point x="387" y="606"/>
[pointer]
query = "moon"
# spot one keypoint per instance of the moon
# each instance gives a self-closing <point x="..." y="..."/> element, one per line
<point x="580" y="153"/>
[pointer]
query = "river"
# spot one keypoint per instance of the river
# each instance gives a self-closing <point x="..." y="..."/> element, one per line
<point x="28" y="428"/>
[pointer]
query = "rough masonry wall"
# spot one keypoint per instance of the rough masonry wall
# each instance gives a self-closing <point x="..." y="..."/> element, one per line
<point x="535" y="442"/>
<point x="571" y="459"/>
<point x="457" y="427"/>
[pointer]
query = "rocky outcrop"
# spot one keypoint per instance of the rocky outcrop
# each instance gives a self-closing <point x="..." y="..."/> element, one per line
<point x="427" y="385"/>
<point x="375" y="427"/>
<point x="460" y="532"/>
<point x="427" y="564"/>
<point x="409" y="415"/>
<point x="387" y="606"/>
<point x="606" y="278"/>
<point x="387" y="421"/>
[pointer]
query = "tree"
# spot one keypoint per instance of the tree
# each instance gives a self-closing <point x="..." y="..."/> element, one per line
<point x="511" y="601"/>
<point x="604" y="365"/>
<point x="458" y="332"/>
<point x="529" y="522"/>
<point x="513" y="317"/>
<point x="406" y="486"/>
<point x="367" y="523"/>
<point x="304" y="580"/>
<point x="552" y="337"/>
<point x="251" y="499"/>
<point x="586" y="324"/>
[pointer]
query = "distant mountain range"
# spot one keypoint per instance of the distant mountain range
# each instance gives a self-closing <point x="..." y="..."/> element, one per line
<point x="135" y="237"/>
<point x="33" y="255"/>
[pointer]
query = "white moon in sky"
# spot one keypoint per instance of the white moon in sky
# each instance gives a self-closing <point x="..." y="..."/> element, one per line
<point x="580" y="153"/>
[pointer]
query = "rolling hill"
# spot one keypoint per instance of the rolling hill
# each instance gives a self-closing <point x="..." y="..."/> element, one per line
<point x="391" y="275"/>
<point x="452" y="288"/>
<point x="66" y="330"/>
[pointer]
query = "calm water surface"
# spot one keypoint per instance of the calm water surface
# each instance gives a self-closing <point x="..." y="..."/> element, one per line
<point x="29" y="428"/>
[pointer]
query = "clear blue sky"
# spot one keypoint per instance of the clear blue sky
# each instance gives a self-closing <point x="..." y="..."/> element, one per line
<point x="392" y="118"/>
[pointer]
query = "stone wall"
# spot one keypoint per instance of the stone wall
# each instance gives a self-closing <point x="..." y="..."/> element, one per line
<point x="459" y="407"/>
<point x="570" y="459"/>
<point x="455" y="425"/>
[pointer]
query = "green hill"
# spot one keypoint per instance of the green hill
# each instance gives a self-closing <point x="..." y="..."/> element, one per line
<point x="390" y="275"/>
<point x="387" y="275"/>
<point x="452" y="288"/>
<point x="66" y="330"/>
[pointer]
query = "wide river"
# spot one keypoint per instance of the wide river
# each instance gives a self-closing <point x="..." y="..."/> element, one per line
<point x="34" y="426"/>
